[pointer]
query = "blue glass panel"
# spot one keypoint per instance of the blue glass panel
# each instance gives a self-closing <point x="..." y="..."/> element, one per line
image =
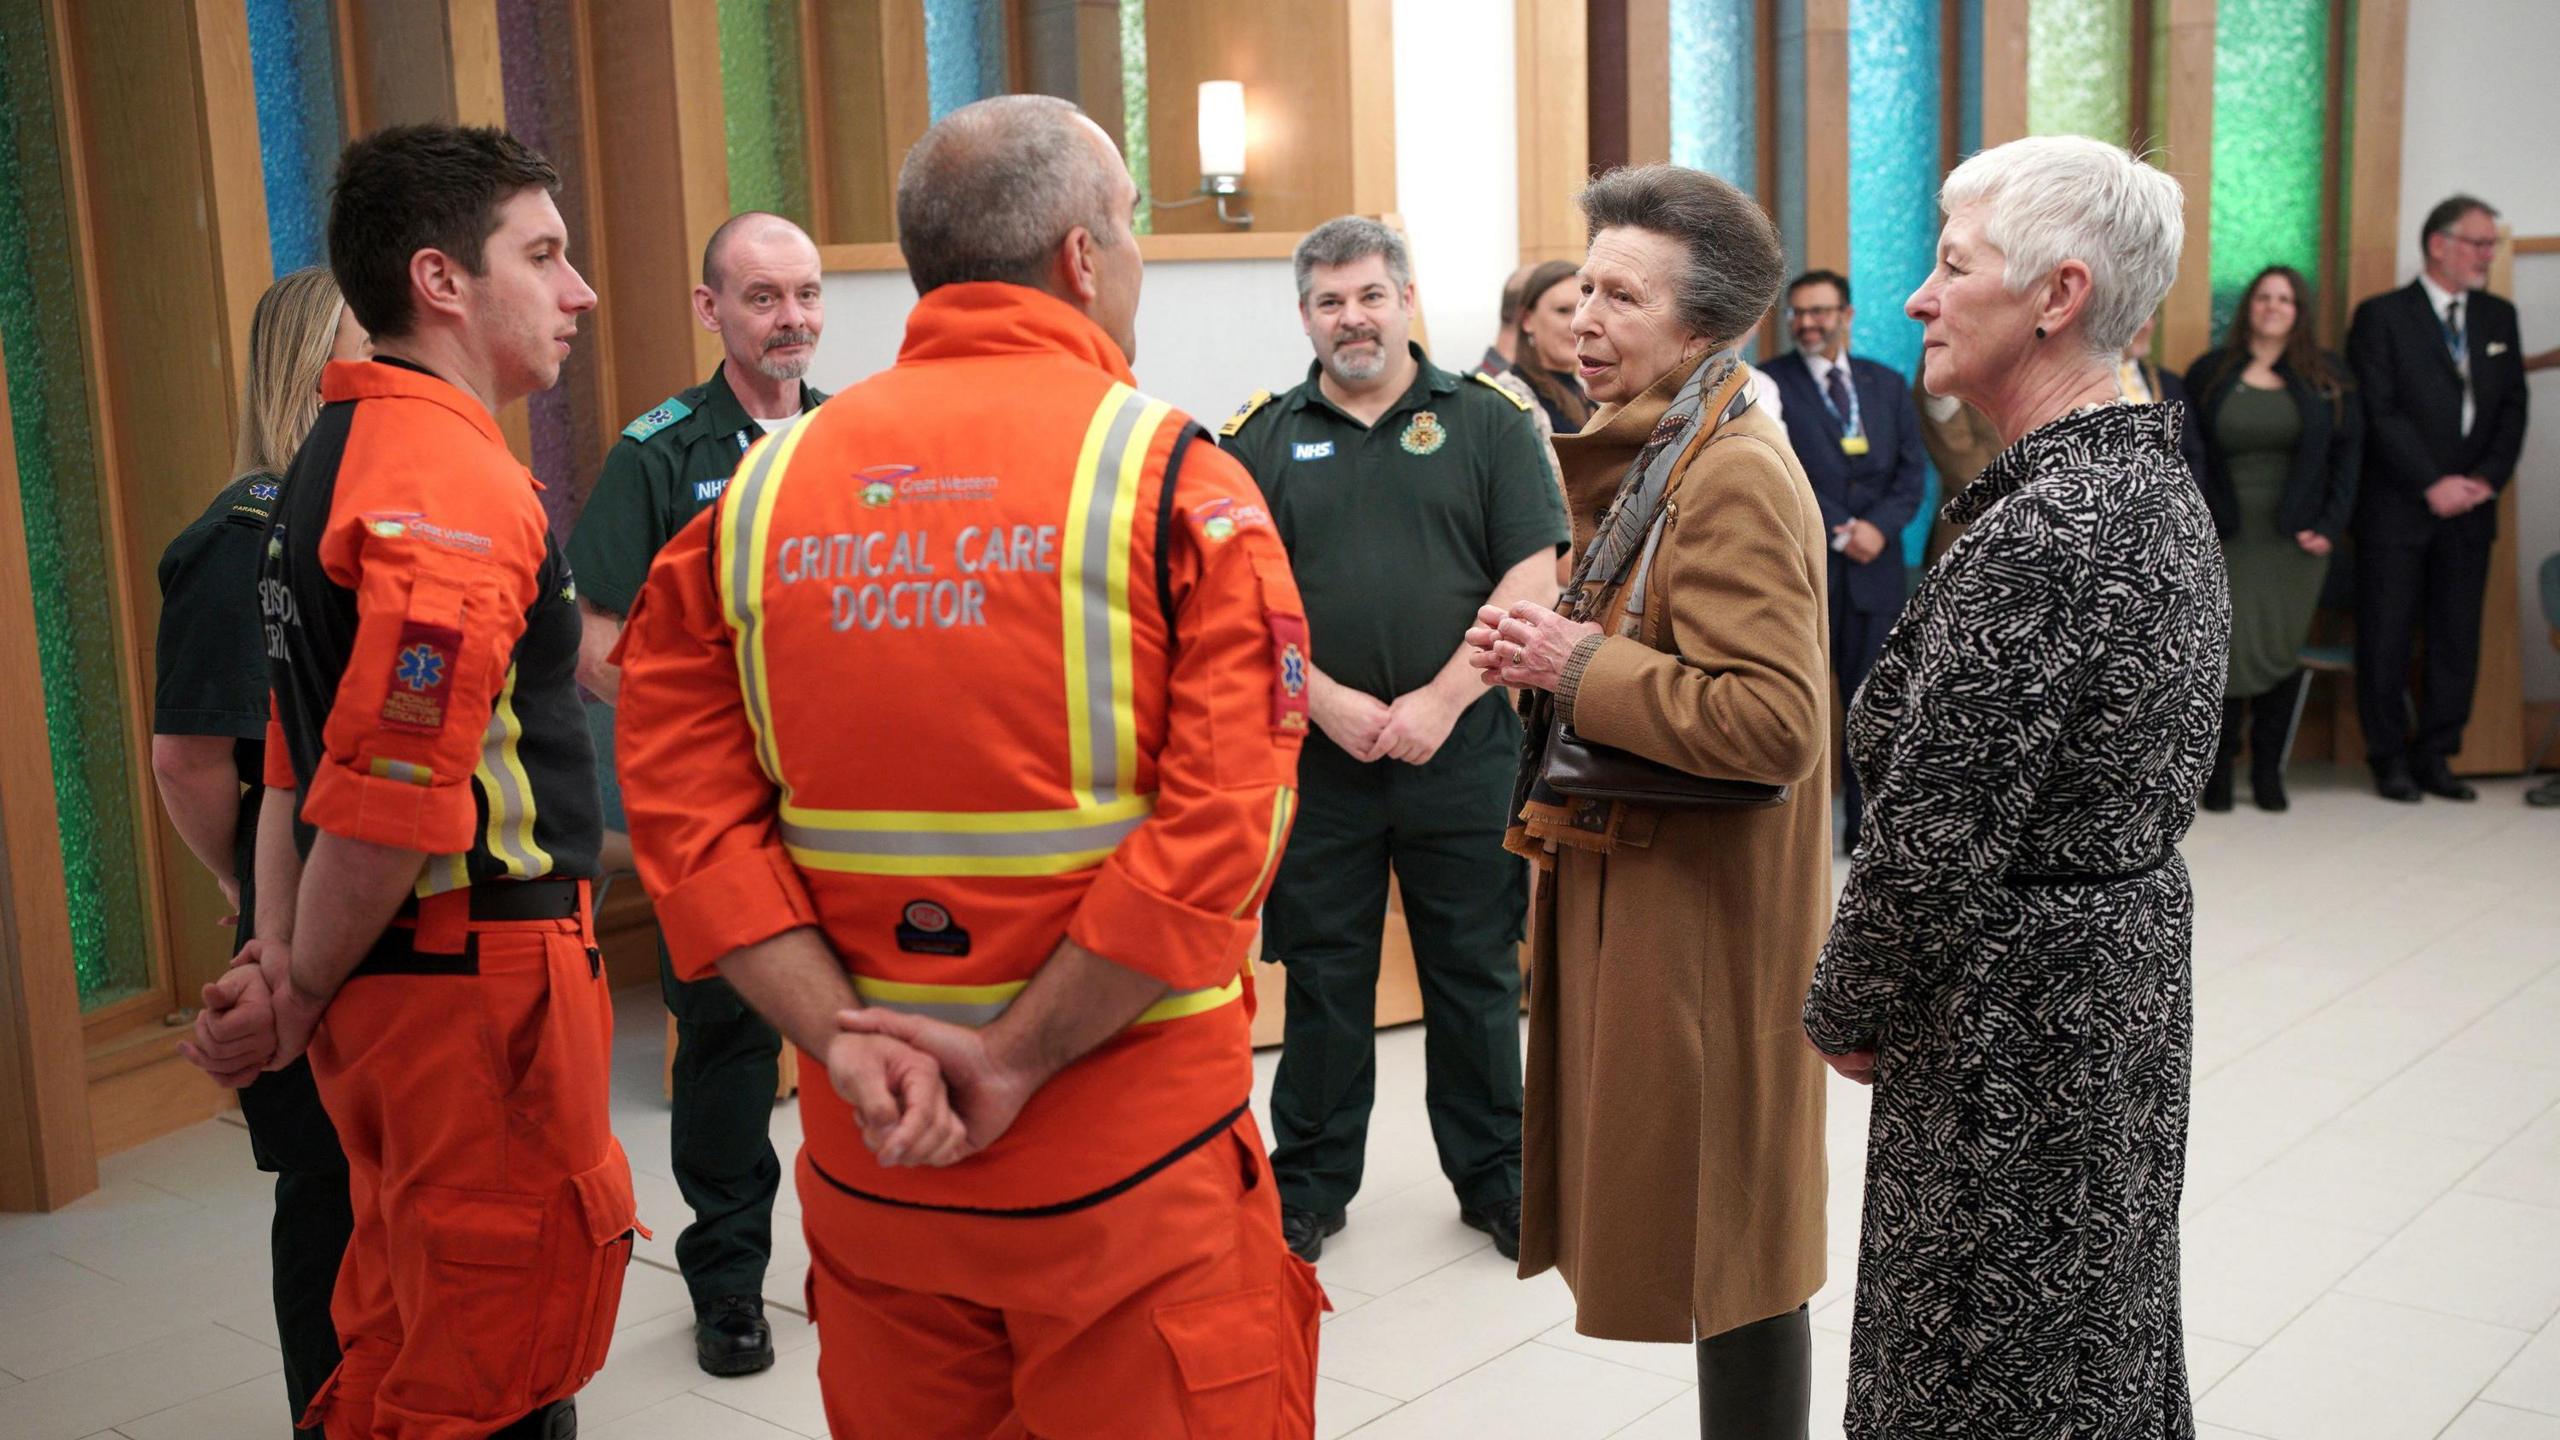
<point x="964" y="52"/>
<point x="1715" y="114"/>
<point x="1969" y="61"/>
<point x="1893" y="181"/>
<point x="293" y="65"/>
<point x="1789" y="181"/>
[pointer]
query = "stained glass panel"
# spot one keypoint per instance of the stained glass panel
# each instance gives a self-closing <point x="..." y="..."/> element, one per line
<point x="2270" y="94"/>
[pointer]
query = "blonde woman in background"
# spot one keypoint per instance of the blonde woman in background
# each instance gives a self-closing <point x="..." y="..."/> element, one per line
<point x="208" y="721"/>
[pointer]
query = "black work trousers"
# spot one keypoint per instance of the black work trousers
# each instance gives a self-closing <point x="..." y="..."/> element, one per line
<point x="2433" y="585"/>
<point x="1438" y="826"/>
<point x="728" y="1062"/>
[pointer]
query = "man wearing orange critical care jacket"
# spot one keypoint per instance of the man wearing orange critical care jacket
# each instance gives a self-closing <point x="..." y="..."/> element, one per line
<point x="423" y="924"/>
<point x="961" y="737"/>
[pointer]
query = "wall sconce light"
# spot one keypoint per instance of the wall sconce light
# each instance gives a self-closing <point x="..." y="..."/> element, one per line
<point x="1221" y="151"/>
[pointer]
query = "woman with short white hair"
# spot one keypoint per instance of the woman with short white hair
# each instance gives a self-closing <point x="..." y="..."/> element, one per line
<point x="2009" y="964"/>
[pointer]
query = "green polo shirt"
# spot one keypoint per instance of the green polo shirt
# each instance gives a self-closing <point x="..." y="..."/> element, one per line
<point x="668" y="467"/>
<point x="1398" y="532"/>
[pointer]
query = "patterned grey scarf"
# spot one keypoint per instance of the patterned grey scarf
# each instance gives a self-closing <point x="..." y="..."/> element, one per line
<point x="1633" y="511"/>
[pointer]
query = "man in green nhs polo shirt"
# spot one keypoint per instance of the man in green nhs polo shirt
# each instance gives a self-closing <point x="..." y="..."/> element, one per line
<point x="761" y="294"/>
<point x="1408" y="498"/>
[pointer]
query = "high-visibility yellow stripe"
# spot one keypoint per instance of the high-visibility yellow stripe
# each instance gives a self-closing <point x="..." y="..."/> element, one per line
<point x="1283" y="805"/>
<point x="978" y="1004"/>
<point x="442" y="873"/>
<point x="508" y="789"/>
<point x="746" y="525"/>
<point x="1072" y="593"/>
<point x="1123" y="686"/>
<point x="1066" y="862"/>
<point x="969" y="822"/>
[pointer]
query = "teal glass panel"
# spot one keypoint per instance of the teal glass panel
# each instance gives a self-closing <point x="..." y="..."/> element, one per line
<point x="2080" y="68"/>
<point x="68" y="557"/>
<point x="293" y="66"/>
<point x="964" y="52"/>
<point x="764" y="94"/>
<point x="1969" y="64"/>
<point x="2270" y="95"/>
<point x="1893" y="182"/>
<point x="1715" y="113"/>
<point x="1134" y="135"/>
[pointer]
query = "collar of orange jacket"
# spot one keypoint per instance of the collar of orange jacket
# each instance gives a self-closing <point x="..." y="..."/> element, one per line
<point x="385" y="377"/>
<point x="993" y="318"/>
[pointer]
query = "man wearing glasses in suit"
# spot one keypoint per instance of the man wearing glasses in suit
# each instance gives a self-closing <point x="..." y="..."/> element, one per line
<point x="2442" y="374"/>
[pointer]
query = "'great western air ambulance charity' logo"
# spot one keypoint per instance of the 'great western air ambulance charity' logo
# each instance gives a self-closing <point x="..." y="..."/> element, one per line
<point x="880" y="483"/>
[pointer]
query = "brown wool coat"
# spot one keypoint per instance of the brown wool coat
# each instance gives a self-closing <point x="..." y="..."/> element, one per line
<point x="1672" y="1153"/>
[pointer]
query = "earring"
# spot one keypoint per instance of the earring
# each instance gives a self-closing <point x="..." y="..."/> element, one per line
<point x="2039" y="332"/>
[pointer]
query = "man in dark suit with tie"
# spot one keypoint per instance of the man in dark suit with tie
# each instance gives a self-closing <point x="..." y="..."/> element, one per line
<point x="2442" y="371"/>
<point x="1858" y="438"/>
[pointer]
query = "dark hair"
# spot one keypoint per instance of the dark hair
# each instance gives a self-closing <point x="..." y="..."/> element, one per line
<point x="1819" y="277"/>
<point x="420" y="187"/>
<point x="2448" y="213"/>
<point x="2302" y="354"/>
<point x="1734" y="260"/>
<point x="1561" y="396"/>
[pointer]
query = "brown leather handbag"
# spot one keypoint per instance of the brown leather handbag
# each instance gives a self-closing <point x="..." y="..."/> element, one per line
<point x="1581" y="770"/>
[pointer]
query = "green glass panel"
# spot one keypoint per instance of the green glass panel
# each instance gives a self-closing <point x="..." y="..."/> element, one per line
<point x="68" y="558"/>
<point x="1133" y="104"/>
<point x="763" y="94"/>
<point x="2270" y="95"/>
<point x="2080" y="68"/>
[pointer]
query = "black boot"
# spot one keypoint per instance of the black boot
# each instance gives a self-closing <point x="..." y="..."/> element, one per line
<point x="1756" y="1382"/>
<point x="555" y="1421"/>
<point x="2226" y="751"/>
<point x="2270" y="726"/>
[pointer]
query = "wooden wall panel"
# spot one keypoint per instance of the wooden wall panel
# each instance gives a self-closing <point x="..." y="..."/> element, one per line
<point x="1826" y="135"/>
<point x="2185" y="132"/>
<point x="1648" y="72"/>
<point x="2004" y="71"/>
<point x="1550" y="70"/>
<point x="866" y="109"/>
<point x="1319" y="85"/>
<point x="2373" y="226"/>
<point x="47" y="1158"/>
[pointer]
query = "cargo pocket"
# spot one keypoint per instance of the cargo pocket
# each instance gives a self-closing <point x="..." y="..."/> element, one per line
<point x="594" y="1253"/>
<point x="1228" y="1353"/>
<point x="482" y="1253"/>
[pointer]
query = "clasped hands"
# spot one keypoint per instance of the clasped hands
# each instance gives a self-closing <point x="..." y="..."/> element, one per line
<point x="1527" y="645"/>
<point x="926" y="1092"/>
<point x="2459" y="495"/>
<point x="255" y="1018"/>
<point x="1410" y="728"/>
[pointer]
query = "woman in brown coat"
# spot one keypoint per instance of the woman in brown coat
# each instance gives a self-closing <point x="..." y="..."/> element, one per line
<point x="1673" y="1144"/>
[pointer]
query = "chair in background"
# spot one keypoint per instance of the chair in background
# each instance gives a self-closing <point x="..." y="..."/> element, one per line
<point x="2547" y="794"/>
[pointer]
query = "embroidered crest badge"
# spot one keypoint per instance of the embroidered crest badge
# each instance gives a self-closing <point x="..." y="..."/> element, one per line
<point x="1424" y="435"/>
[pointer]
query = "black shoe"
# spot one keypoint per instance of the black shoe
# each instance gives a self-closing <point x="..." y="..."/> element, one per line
<point x="2217" y="788"/>
<point x="1305" y="1231"/>
<point x="2266" y="786"/>
<point x="555" y="1421"/>
<point x="1501" y="1220"/>
<point x="2391" y="781"/>
<point x="730" y="1336"/>
<point x="2437" y="779"/>
<point x="1756" y="1382"/>
<point x="2545" y="795"/>
<point x="2270" y="730"/>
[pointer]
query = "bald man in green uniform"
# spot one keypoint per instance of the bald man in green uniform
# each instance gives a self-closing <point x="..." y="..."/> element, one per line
<point x="1408" y="498"/>
<point x="761" y="294"/>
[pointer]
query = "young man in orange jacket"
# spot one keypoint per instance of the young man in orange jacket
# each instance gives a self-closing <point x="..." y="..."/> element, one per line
<point x="961" y="738"/>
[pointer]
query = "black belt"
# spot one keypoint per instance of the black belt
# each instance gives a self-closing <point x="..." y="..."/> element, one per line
<point x="397" y="952"/>
<point x="2046" y="880"/>
<point x="1111" y="1191"/>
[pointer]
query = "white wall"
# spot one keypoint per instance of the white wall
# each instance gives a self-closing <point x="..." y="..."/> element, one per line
<point x="1210" y="332"/>
<point x="2480" y="116"/>
<point x="1457" y="165"/>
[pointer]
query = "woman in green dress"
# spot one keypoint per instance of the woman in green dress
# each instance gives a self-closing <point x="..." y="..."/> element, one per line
<point x="2283" y="438"/>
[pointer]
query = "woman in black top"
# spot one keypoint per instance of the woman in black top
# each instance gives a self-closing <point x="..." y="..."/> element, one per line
<point x="2283" y="437"/>
<point x="1553" y="292"/>
<point x="208" y="723"/>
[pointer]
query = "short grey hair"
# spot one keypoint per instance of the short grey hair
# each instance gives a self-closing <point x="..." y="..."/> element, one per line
<point x="1347" y="238"/>
<point x="994" y="186"/>
<point x="2053" y="198"/>
<point x="1734" y="262"/>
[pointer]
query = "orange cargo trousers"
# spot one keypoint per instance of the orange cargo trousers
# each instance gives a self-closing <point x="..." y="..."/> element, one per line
<point x="1171" y="1311"/>
<point x="467" y="1065"/>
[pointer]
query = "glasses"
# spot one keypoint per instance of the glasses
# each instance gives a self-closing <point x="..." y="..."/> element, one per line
<point x="1812" y="312"/>
<point x="2491" y="243"/>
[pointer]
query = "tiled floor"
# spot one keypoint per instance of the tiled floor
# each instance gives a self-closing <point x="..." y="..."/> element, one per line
<point x="2373" y="1205"/>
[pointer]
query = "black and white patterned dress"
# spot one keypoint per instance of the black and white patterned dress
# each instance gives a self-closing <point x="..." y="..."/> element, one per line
<point x="2015" y="942"/>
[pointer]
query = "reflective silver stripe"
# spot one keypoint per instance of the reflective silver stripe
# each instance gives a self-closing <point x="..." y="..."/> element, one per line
<point x="744" y="558"/>
<point x="498" y="775"/>
<point x="1100" y="539"/>
<point x="1065" y="840"/>
<point x="956" y="1012"/>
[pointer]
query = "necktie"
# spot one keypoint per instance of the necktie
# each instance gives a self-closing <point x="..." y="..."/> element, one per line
<point x="1837" y="392"/>
<point x="2453" y="329"/>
